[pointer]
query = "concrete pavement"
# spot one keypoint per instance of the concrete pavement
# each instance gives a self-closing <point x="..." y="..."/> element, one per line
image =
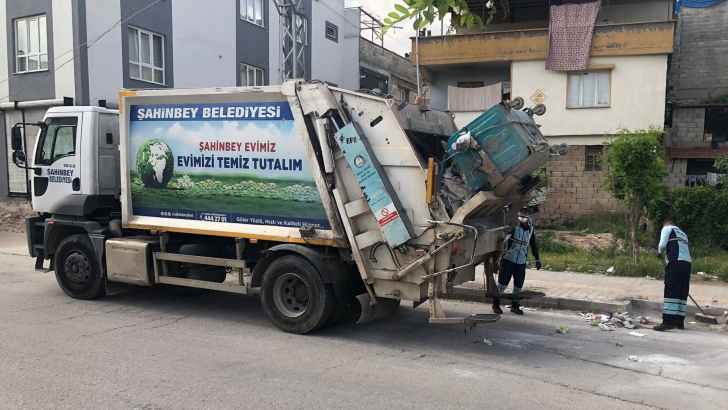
<point x="582" y="291"/>
<point x="564" y="290"/>
<point x="172" y="348"/>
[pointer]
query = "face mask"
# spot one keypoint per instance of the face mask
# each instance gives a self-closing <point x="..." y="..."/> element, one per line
<point x="522" y="219"/>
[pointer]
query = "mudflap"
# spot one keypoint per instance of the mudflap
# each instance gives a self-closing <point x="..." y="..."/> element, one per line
<point x="383" y="308"/>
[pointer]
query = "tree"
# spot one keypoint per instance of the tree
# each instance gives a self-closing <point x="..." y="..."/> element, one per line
<point x="635" y="172"/>
<point x="424" y="12"/>
<point x="721" y="165"/>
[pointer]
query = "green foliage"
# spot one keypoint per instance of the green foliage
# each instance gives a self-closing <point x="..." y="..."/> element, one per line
<point x="559" y="256"/>
<point x="547" y="244"/>
<point x="203" y="186"/>
<point x="721" y="165"/>
<point x="721" y="99"/>
<point x="635" y="170"/>
<point x="635" y="163"/>
<point x="606" y="223"/>
<point x="425" y="12"/>
<point x="702" y="212"/>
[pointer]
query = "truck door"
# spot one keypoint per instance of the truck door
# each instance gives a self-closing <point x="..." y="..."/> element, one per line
<point x="57" y="156"/>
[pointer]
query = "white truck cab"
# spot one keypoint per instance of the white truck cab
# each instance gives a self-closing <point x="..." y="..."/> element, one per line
<point x="76" y="160"/>
<point x="76" y="176"/>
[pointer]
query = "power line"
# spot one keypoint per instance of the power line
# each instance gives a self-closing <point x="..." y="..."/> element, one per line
<point x="122" y="21"/>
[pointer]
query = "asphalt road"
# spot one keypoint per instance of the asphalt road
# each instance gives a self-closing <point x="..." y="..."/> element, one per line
<point x="170" y="348"/>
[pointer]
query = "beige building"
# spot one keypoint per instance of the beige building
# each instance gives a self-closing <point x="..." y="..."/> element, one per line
<point x="624" y="86"/>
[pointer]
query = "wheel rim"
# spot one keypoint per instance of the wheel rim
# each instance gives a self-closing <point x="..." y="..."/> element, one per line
<point x="77" y="268"/>
<point x="291" y="295"/>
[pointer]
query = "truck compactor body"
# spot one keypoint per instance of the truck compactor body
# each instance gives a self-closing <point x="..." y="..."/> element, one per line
<point x="311" y="196"/>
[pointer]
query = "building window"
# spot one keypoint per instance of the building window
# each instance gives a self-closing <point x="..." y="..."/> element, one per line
<point x="370" y="80"/>
<point x="403" y="94"/>
<point x="57" y="140"/>
<point x="589" y="89"/>
<point x="146" y="56"/>
<point x="332" y="32"/>
<point x="302" y="30"/>
<point x="699" y="171"/>
<point x="716" y="125"/>
<point x="252" y="11"/>
<point x="250" y="76"/>
<point x="593" y="153"/>
<point x="31" y="44"/>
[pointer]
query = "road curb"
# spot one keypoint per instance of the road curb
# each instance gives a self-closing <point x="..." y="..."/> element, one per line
<point x="636" y="305"/>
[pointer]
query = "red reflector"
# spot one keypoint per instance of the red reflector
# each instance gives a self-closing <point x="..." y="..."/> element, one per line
<point x="51" y="223"/>
<point x="153" y="232"/>
<point x="420" y="252"/>
<point x="253" y="241"/>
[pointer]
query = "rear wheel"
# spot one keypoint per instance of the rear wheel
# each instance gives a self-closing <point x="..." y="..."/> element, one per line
<point x="78" y="271"/>
<point x="295" y="297"/>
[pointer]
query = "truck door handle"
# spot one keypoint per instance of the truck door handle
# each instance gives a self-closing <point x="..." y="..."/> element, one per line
<point x="76" y="184"/>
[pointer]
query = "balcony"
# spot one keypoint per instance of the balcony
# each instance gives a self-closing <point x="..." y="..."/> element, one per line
<point x="532" y="44"/>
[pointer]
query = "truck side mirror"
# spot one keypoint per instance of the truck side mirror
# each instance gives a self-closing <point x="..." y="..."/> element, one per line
<point x="18" y="157"/>
<point x="17" y="139"/>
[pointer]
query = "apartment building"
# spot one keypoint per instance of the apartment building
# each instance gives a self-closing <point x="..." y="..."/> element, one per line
<point x="697" y="115"/>
<point x="624" y="85"/>
<point x="84" y="51"/>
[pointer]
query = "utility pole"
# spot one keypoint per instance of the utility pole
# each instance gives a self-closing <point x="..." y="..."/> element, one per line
<point x="292" y="25"/>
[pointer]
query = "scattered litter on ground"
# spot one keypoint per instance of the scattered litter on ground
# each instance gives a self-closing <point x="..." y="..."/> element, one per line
<point x="610" y="321"/>
<point x="488" y="342"/>
<point x="619" y="345"/>
<point x="610" y="270"/>
<point x="638" y="334"/>
<point x="701" y="273"/>
<point x="693" y="323"/>
<point x="531" y="309"/>
<point x="562" y="330"/>
<point x="634" y="359"/>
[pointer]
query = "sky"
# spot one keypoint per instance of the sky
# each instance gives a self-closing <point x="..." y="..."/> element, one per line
<point x="396" y="40"/>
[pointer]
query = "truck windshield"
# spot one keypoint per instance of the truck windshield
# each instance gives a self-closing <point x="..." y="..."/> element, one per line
<point x="50" y="149"/>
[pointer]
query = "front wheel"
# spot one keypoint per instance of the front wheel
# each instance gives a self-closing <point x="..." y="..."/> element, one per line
<point x="78" y="271"/>
<point x="295" y="297"/>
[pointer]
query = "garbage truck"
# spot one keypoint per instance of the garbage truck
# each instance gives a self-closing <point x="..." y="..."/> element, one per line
<point x="313" y="197"/>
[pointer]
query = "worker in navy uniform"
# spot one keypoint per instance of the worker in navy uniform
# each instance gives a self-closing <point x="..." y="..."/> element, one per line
<point x="674" y="248"/>
<point x="513" y="264"/>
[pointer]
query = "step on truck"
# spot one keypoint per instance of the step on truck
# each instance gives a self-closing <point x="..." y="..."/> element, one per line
<point x="311" y="196"/>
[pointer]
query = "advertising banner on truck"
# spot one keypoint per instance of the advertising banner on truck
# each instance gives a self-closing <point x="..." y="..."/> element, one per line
<point x="240" y="163"/>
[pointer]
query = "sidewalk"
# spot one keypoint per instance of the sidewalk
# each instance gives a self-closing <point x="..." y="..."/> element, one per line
<point x="581" y="291"/>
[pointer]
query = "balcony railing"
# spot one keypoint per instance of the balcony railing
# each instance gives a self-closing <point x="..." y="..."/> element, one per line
<point x="533" y="44"/>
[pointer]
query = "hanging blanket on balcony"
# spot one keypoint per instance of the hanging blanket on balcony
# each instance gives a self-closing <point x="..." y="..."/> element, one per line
<point x="570" y="36"/>
<point x="474" y="99"/>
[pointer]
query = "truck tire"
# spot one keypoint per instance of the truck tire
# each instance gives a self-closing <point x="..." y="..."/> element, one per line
<point x="77" y="268"/>
<point x="295" y="297"/>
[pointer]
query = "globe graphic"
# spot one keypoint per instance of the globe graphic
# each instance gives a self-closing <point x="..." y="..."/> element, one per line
<point x="155" y="164"/>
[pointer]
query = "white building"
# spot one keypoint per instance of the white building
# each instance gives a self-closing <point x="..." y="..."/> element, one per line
<point x="624" y="85"/>
<point x="88" y="50"/>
